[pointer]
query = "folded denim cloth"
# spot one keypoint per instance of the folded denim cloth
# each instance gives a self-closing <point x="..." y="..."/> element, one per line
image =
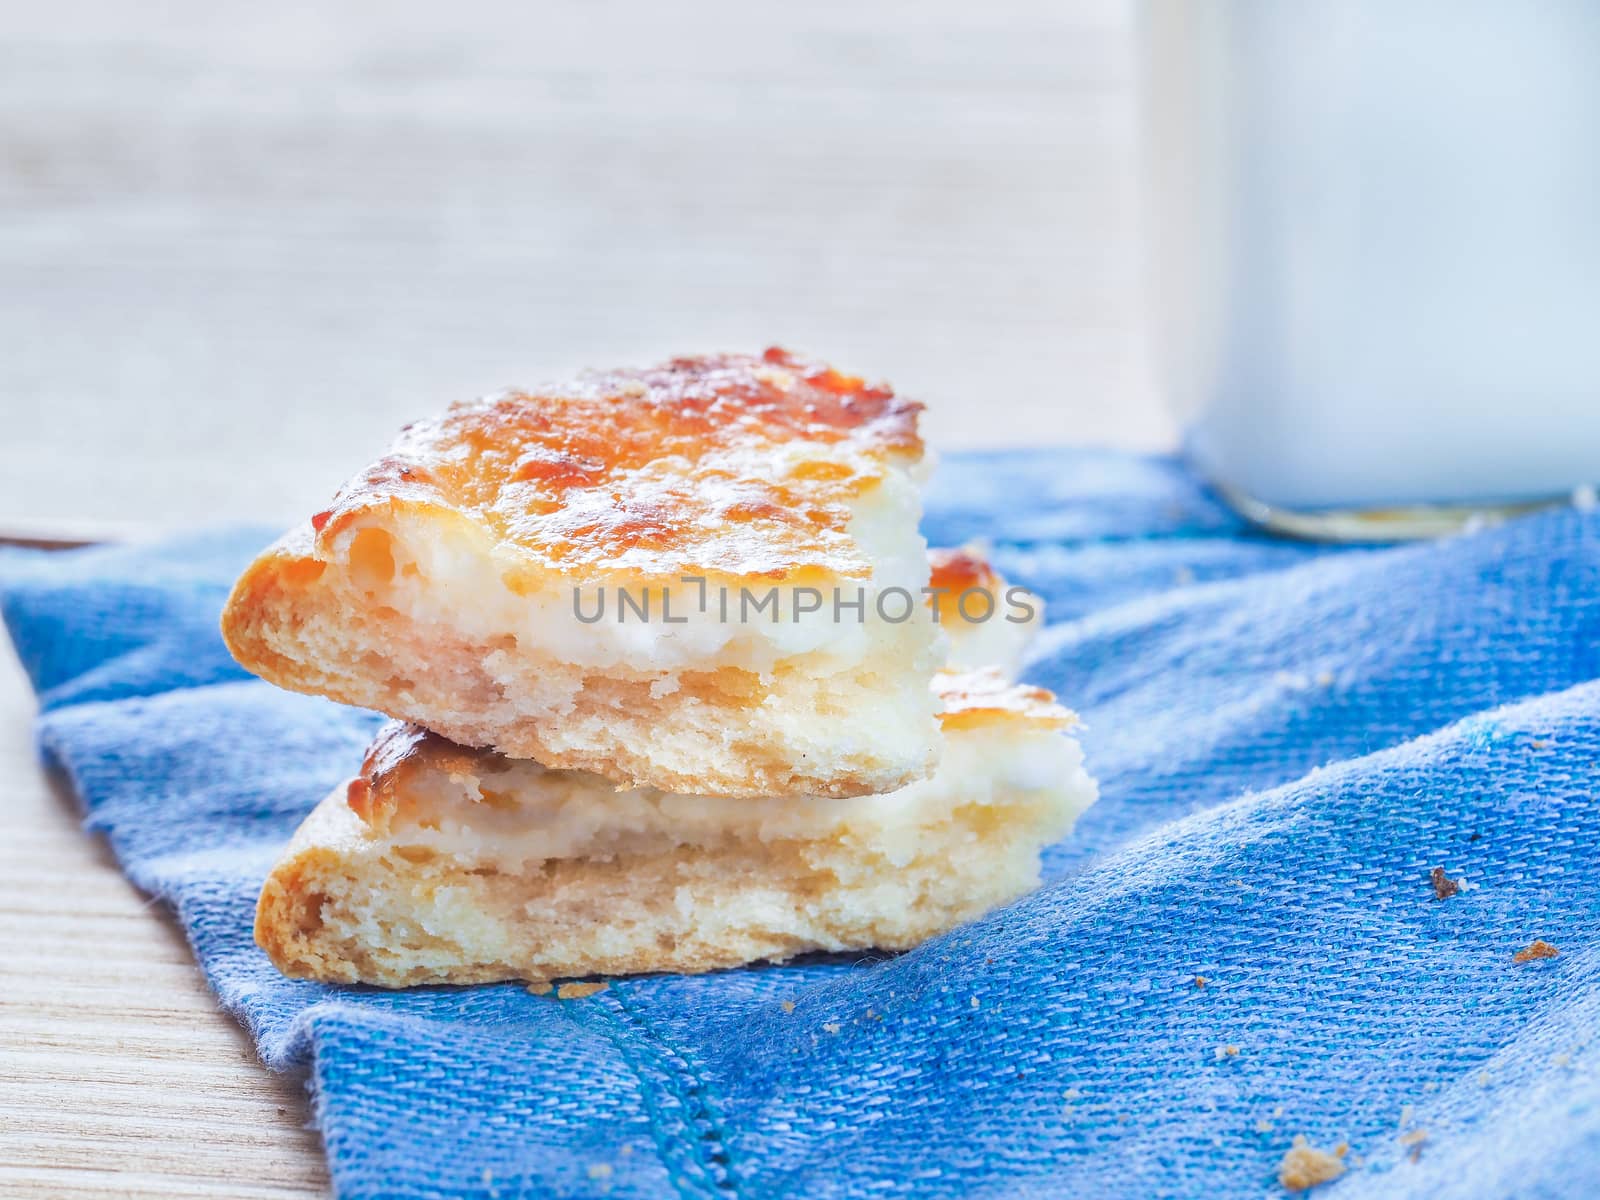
<point x="1289" y="739"/>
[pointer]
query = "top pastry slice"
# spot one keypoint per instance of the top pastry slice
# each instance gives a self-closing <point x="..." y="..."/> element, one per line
<point x="702" y="577"/>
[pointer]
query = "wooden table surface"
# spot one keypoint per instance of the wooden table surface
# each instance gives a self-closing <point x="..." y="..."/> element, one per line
<point x="239" y="245"/>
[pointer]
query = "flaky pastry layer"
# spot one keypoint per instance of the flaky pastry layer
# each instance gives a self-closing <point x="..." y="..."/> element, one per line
<point x="443" y="864"/>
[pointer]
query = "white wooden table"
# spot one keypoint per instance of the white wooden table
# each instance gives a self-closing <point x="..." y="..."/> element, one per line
<point x="240" y="244"/>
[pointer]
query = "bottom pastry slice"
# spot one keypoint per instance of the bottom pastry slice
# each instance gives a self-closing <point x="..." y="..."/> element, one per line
<point x="442" y="864"/>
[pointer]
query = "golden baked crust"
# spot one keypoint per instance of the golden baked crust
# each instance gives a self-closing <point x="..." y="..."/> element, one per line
<point x="961" y="569"/>
<point x="724" y="466"/>
<point x="971" y="698"/>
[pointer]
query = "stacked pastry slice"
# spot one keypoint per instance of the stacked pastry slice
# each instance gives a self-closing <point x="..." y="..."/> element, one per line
<point x="452" y="583"/>
<point x="565" y="795"/>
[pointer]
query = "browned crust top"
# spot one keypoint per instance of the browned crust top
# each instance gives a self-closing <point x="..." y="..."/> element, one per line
<point x="961" y="570"/>
<point x="727" y="464"/>
<point x="971" y="698"/>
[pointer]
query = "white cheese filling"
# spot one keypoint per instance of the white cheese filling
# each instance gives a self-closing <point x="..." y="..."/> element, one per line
<point x="1014" y="773"/>
<point x="458" y="581"/>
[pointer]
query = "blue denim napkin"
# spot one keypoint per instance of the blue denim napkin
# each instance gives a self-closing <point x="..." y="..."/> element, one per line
<point x="1288" y="739"/>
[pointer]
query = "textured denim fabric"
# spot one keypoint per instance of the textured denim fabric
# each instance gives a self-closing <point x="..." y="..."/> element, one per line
<point x="1288" y="740"/>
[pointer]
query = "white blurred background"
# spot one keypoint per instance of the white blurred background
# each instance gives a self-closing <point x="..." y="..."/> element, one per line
<point x="240" y="245"/>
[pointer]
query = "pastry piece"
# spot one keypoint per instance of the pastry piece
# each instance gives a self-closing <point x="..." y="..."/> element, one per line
<point x="440" y="864"/>
<point x="704" y="577"/>
<point x="989" y="621"/>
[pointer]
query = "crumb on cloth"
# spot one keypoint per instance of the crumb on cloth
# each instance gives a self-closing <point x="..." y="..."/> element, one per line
<point x="1538" y="948"/>
<point x="1415" y="1138"/>
<point x="1443" y="886"/>
<point x="1304" y="1166"/>
<point x="579" y="991"/>
<point x="543" y="988"/>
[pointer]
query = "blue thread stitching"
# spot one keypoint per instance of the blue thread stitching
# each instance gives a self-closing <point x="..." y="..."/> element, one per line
<point x="702" y="1125"/>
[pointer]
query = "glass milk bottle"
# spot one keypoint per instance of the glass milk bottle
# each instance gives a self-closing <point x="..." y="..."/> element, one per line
<point x="1373" y="251"/>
